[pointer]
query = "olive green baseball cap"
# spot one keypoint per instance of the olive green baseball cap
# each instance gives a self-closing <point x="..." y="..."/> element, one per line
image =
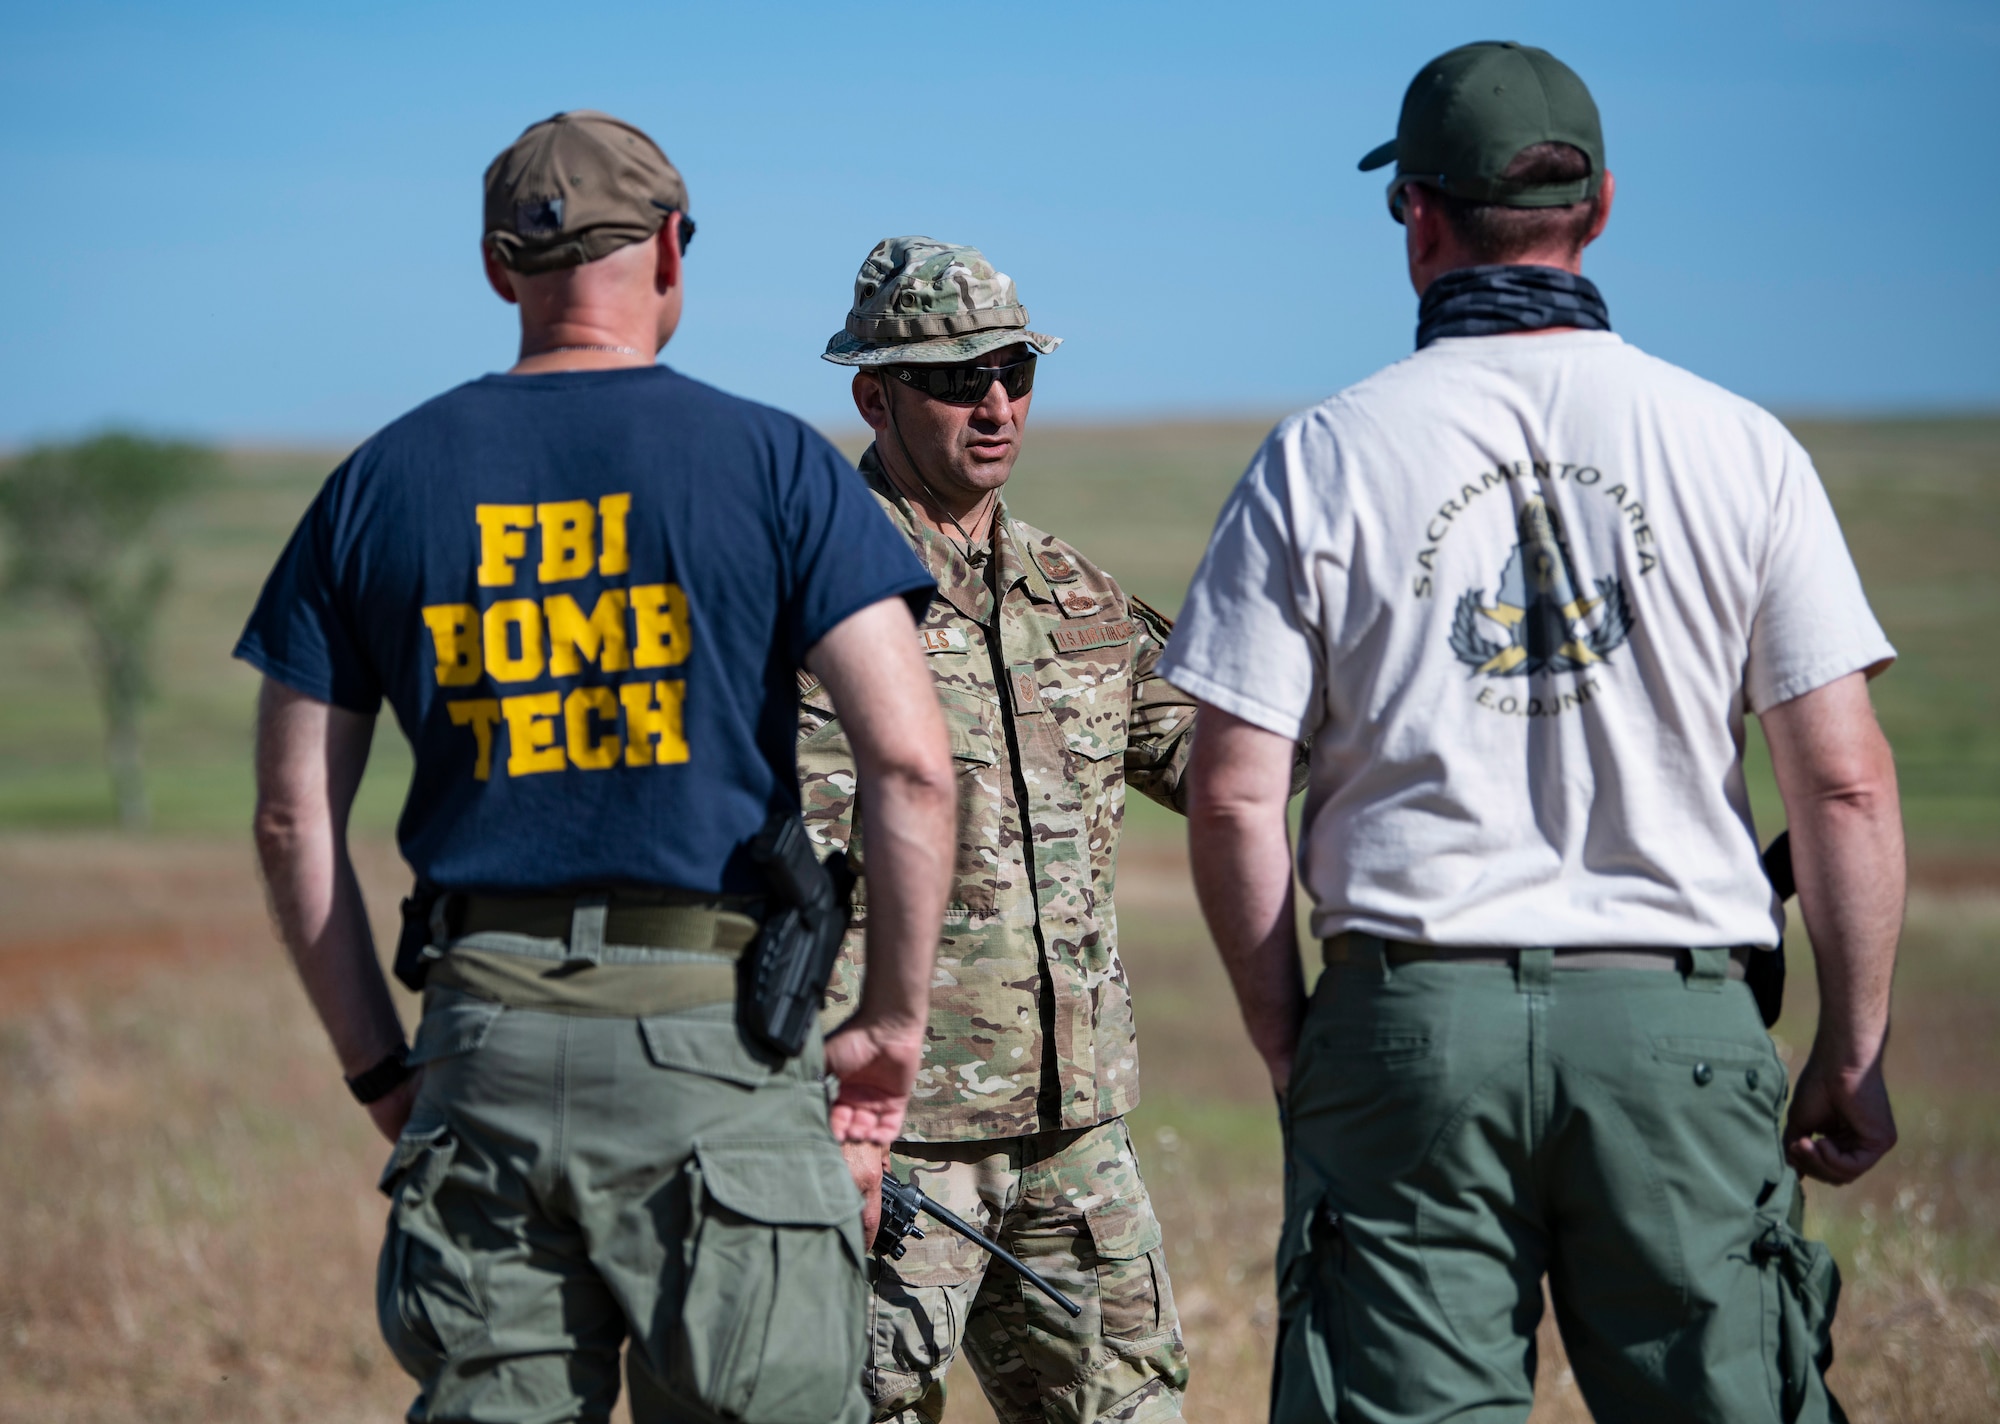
<point x="918" y="301"/>
<point x="574" y="188"/>
<point x="1471" y="110"/>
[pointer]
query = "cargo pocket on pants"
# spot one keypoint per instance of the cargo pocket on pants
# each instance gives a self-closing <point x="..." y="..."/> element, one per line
<point x="1803" y="1283"/>
<point x="1131" y="1277"/>
<point x="424" y="1299"/>
<point x="1305" y="1375"/>
<point x="772" y="1328"/>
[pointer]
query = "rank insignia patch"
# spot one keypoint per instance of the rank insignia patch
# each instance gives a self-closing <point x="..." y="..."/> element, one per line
<point x="1548" y="626"/>
<point x="1056" y="566"/>
<point x="1027" y="690"/>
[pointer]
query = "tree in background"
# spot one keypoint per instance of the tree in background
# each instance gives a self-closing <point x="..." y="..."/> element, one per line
<point x="83" y="524"/>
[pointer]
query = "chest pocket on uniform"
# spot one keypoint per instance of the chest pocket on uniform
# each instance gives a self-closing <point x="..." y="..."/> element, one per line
<point x="971" y="723"/>
<point x="1091" y="707"/>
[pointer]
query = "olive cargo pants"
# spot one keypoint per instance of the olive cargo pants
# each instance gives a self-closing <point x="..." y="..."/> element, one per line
<point x="570" y="1181"/>
<point x="1454" y="1131"/>
<point x="1072" y="1206"/>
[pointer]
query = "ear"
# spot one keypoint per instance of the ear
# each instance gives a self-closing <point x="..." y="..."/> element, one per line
<point x="1423" y="220"/>
<point x="1427" y="235"/>
<point x="667" y="254"/>
<point x="1603" y="214"/>
<point x="871" y="399"/>
<point x="498" y="277"/>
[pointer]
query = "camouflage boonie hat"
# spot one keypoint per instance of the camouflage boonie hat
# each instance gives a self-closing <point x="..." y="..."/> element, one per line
<point x="918" y="301"/>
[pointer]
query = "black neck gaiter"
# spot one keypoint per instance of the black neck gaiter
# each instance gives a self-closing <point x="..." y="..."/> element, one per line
<point x="1491" y="301"/>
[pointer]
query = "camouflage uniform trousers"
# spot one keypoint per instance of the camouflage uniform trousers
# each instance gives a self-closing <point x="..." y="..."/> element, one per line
<point x="1072" y="1206"/>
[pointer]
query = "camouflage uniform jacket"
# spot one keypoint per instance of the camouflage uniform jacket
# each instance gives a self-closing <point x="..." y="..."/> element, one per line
<point x="1053" y="706"/>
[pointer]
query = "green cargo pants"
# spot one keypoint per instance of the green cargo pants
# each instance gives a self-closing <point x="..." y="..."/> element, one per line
<point x="1072" y="1206"/>
<point x="1456" y="1131"/>
<point x="572" y="1181"/>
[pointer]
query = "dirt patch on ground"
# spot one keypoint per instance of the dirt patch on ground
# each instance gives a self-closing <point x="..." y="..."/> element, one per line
<point x="96" y="913"/>
<point x="1955" y="874"/>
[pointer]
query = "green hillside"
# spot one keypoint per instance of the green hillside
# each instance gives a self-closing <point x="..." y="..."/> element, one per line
<point x="1920" y="500"/>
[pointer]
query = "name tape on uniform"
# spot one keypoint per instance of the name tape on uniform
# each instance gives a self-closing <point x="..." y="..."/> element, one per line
<point x="1075" y="639"/>
<point x="942" y="640"/>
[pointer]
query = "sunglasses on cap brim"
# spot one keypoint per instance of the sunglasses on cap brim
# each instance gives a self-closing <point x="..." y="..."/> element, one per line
<point x="1399" y="201"/>
<point x="687" y="223"/>
<point x="968" y="385"/>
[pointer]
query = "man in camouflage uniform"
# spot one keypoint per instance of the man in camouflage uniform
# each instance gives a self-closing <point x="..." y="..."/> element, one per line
<point x="1045" y="669"/>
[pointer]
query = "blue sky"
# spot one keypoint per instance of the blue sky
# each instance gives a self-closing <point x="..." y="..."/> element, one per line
<point x="256" y="222"/>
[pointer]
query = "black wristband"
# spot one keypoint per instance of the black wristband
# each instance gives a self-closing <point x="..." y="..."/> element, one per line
<point x="374" y="1084"/>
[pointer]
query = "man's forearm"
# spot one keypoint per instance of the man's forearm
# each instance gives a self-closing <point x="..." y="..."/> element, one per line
<point x="1847" y="853"/>
<point x="1243" y="878"/>
<point x="886" y="699"/>
<point x="1838" y="779"/>
<point x="310" y="757"/>
<point x="316" y="901"/>
<point x="1241" y="850"/>
<point x="911" y="836"/>
<point x="883" y="692"/>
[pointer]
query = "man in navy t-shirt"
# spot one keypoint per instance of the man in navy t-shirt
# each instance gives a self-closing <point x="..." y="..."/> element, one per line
<point x="586" y="588"/>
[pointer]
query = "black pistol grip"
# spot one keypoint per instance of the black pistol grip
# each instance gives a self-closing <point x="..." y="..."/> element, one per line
<point x="1765" y="972"/>
<point x="413" y="959"/>
<point x="782" y="976"/>
<point x="900" y="1204"/>
<point x="784" y="852"/>
<point x="1778" y="866"/>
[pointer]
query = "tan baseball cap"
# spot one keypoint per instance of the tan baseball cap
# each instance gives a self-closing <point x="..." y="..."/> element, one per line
<point x="577" y="187"/>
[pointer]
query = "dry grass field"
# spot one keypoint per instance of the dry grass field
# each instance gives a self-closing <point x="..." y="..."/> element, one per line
<point x="191" y="1220"/>
<point x="190" y="1216"/>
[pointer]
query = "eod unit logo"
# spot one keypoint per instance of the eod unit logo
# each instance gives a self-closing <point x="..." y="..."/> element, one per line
<point x="1546" y="623"/>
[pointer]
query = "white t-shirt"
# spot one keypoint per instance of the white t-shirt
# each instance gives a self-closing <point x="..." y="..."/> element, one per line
<point x="1520" y="590"/>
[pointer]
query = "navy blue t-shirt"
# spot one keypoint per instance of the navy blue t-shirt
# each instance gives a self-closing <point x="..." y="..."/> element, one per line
<point x="586" y="595"/>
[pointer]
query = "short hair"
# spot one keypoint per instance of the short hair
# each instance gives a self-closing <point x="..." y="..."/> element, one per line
<point x="1495" y="233"/>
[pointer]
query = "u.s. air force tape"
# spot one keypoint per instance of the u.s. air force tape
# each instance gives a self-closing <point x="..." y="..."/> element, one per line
<point x="1074" y="638"/>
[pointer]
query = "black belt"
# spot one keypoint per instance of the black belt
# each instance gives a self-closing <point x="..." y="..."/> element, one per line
<point x="1358" y="945"/>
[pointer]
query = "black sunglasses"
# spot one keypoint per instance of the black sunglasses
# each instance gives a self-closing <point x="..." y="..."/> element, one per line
<point x="968" y="385"/>
<point x="1399" y="196"/>
<point x="687" y="223"/>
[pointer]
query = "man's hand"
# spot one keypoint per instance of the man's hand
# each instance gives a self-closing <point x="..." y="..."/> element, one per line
<point x="391" y="1114"/>
<point x="1840" y="1124"/>
<point x="867" y="1162"/>
<point x="876" y="1066"/>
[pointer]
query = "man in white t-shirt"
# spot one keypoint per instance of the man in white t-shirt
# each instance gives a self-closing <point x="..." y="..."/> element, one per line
<point x="1520" y="589"/>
